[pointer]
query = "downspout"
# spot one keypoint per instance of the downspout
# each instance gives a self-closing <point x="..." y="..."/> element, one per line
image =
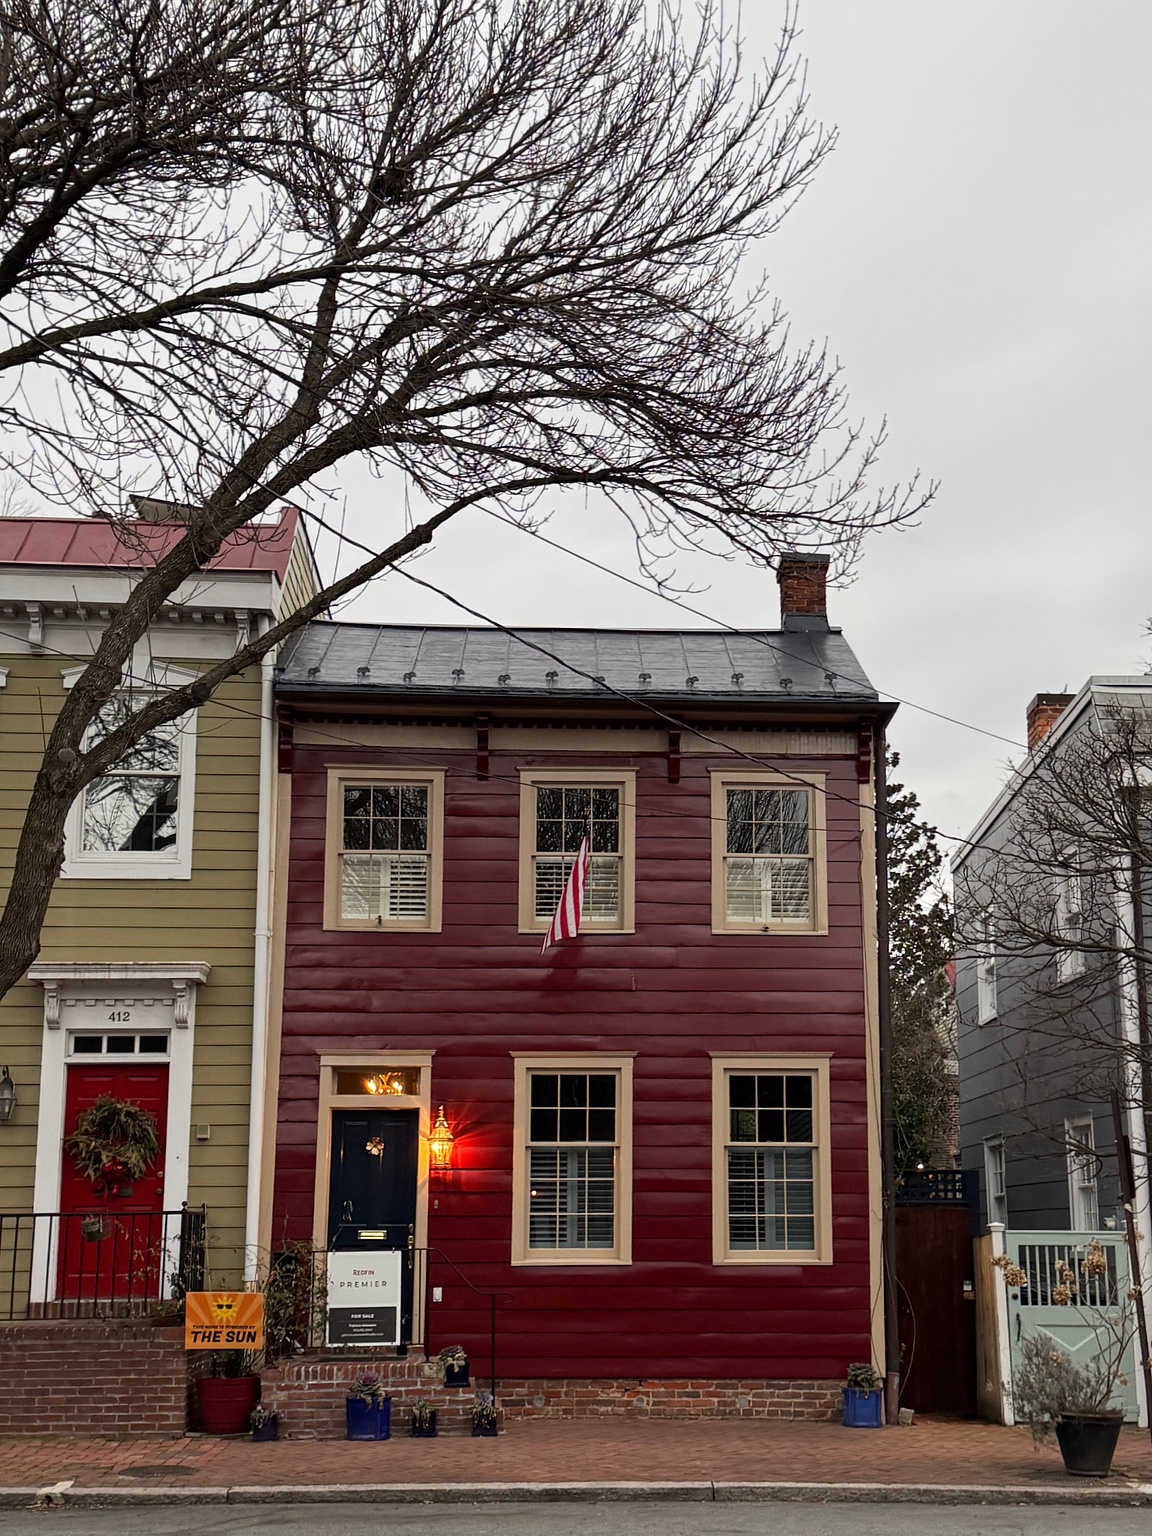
<point x="261" y="957"/>
<point x="892" y="1360"/>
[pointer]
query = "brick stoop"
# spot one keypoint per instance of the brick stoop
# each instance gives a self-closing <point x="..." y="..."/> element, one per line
<point x="117" y="1377"/>
<point x="309" y="1393"/>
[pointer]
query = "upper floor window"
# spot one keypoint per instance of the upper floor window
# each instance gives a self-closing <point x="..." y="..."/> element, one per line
<point x="135" y="820"/>
<point x="383" y="864"/>
<point x="772" y="1188"/>
<point x="1069" y="924"/>
<point x="768" y="871"/>
<point x="987" y="1000"/>
<point x="559" y="808"/>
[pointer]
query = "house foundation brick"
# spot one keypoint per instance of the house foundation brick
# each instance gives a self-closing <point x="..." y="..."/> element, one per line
<point x="113" y="1378"/>
<point x="309" y="1394"/>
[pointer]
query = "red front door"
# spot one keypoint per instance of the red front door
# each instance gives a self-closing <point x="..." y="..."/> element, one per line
<point x="111" y="1245"/>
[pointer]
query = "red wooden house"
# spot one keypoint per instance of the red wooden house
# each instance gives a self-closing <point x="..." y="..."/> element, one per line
<point x="665" y="1150"/>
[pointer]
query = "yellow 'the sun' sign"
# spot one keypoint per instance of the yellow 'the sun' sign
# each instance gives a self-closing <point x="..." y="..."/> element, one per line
<point x="223" y="1320"/>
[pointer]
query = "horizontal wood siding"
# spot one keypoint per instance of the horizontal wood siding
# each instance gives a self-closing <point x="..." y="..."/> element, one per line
<point x="209" y="917"/>
<point x="672" y="993"/>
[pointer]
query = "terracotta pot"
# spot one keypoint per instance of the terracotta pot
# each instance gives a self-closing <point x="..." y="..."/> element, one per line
<point x="226" y="1403"/>
<point x="1088" y="1442"/>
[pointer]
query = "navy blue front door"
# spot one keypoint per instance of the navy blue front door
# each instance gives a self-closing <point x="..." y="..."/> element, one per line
<point x="372" y="1186"/>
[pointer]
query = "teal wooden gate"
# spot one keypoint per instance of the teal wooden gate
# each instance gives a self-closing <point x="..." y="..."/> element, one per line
<point x="1031" y="1309"/>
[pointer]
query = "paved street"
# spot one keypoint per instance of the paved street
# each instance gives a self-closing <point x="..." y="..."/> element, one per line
<point x="581" y="1520"/>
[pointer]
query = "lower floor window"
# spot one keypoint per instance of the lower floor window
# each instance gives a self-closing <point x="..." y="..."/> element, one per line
<point x="772" y="1191"/>
<point x="572" y="1160"/>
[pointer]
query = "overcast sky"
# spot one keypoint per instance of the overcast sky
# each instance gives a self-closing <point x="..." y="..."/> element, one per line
<point x="977" y="254"/>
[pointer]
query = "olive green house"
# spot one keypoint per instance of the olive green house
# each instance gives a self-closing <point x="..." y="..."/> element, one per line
<point x="152" y="985"/>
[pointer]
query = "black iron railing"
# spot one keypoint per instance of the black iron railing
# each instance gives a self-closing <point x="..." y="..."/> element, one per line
<point x="107" y="1263"/>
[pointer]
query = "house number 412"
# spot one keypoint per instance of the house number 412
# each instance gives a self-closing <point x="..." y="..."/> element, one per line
<point x="122" y="1016"/>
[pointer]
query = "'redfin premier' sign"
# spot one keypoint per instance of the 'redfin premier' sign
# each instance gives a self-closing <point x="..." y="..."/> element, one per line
<point x="364" y="1297"/>
<point x="223" y="1320"/>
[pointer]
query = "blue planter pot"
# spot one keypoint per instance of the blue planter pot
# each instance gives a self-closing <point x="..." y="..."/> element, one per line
<point x="368" y="1421"/>
<point x="863" y="1410"/>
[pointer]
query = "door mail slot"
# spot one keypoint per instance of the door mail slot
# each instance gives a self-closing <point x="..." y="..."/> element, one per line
<point x="366" y="1236"/>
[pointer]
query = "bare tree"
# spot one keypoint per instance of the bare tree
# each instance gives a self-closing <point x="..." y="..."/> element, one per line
<point x="1057" y="899"/>
<point x="498" y="246"/>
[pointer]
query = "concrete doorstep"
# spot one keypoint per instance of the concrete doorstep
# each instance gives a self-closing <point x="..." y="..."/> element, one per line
<point x="68" y="1496"/>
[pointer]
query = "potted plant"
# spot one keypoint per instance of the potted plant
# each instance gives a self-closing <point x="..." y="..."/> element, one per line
<point x="265" y="1423"/>
<point x="484" y="1416"/>
<point x="368" y="1410"/>
<point x="423" y="1426"/>
<point x="1054" y="1396"/>
<point x="228" y="1396"/>
<point x="863" y="1400"/>
<point x="455" y="1363"/>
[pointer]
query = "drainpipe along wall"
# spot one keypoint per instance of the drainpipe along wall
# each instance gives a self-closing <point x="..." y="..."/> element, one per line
<point x="888" y="1143"/>
<point x="261" y="958"/>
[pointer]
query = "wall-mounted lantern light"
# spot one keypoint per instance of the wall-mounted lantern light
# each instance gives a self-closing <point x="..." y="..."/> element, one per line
<point x="7" y="1096"/>
<point x="440" y="1142"/>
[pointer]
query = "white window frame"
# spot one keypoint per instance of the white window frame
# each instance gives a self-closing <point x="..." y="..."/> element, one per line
<point x="740" y="1064"/>
<point x="1083" y="1193"/>
<point x="431" y="779"/>
<point x="1069" y="919"/>
<point x="173" y="863"/>
<point x="987" y="999"/>
<point x="593" y="1061"/>
<point x="996" y="1179"/>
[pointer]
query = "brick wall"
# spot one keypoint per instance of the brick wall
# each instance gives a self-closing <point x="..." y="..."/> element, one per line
<point x="92" y="1378"/>
<point x="309" y="1395"/>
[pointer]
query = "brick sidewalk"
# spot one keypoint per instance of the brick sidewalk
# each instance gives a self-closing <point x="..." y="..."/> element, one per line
<point x="933" y="1451"/>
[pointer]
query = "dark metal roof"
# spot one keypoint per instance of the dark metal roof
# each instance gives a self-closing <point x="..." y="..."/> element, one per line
<point x="575" y="663"/>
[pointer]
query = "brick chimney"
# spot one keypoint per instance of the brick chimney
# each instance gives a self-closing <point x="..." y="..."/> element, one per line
<point x="803" y="583"/>
<point x="1043" y="713"/>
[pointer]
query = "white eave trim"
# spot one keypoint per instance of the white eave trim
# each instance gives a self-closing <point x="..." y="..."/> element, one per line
<point x="1086" y="698"/>
<point x="128" y="970"/>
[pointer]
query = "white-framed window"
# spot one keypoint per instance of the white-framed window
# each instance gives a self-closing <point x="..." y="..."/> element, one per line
<point x="1069" y="915"/>
<point x="987" y="1002"/>
<point x="572" y="1160"/>
<point x="1083" y="1201"/>
<point x="768" y="853"/>
<point x="558" y="807"/>
<point x="996" y="1179"/>
<point x="383" y="861"/>
<point x="772" y="1187"/>
<point x="135" y="821"/>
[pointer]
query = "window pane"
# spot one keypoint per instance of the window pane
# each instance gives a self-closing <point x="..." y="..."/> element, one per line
<point x="543" y="1125"/>
<point x="383" y="885"/>
<point x="565" y="816"/>
<point x="157" y="752"/>
<point x="154" y="1044"/>
<point x="571" y="1201"/>
<point x="601" y="889"/>
<point x="602" y="1090"/>
<point x="386" y="800"/>
<point x="121" y="1045"/>
<point x="770" y="1092"/>
<point x="130" y="815"/>
<point x="767" y="890"/>
<point x="545" y="1088"/>
<point x="573" y="1090"/>
<point x="771" y="1199"/>
<point x="743" y="1125"/>
<point x="87" y="1045"/>
<point x="573" y="1125"/>
<point x="770" y="1125"/>
<point x="742" y="1092"/>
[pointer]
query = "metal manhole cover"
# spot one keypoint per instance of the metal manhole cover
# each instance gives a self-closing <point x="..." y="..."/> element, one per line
<point x="163" y="1469"/>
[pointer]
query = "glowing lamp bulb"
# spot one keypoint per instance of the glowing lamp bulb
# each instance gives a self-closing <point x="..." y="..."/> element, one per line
<point x="440" y="1140"/>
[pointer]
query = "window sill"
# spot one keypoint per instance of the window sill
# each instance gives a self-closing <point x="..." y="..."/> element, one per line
<point x="126" y="869"/>
<point x="767" y="931"/>
<point x="381" y="929"/>
<point x="568" y="1259"/>
<point x="793" y="1260"/>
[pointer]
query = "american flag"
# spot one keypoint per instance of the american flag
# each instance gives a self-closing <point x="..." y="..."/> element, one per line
<point x="565" y="922"/>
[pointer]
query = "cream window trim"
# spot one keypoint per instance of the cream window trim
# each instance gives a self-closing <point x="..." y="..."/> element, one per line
<point x="577" y="777"/>
<point x="593" y="1061"/>
<point x="746" y="1064"/>
<point x="338" y="778"/>
<point x="724" y="779"/>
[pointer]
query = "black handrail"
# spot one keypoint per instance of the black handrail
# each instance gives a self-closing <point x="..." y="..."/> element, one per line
<point x="506" y="1297"/>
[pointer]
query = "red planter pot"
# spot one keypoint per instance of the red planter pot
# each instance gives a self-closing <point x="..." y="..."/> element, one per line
<point x="226" y="1403"/>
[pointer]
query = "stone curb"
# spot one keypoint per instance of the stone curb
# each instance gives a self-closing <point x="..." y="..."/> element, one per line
<point x="1133" y="1495"/>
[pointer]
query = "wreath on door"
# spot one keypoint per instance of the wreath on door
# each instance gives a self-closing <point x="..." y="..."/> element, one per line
<point x="114" y="1144"/>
